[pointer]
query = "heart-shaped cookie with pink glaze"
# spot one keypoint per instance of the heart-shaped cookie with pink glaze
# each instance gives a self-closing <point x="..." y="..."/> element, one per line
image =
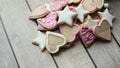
<point x="70" y="32"/>
<point x="39" y="11"/>
<point x="48" y="21"/>
<point x="87" y="35"/>
<point x="40" y="27"/>
<point x="89" y="5"/>
<point x="54" y="41"/>
<point x="57" y="5"/>
<point x="103" y="30"/>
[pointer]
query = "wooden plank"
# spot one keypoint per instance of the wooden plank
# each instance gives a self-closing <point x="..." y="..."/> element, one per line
<point x="21" y="31"/>
<point x="73" y="57"/>
<point x="115" y="10"/>
<point x="7" y="59"/>
<point x="105" y="54"/>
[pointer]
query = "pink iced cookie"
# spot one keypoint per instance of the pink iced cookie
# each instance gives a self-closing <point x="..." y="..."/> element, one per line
<point x="40" y="27"/>
<point x="39" y="11"/>
<point x="49" y="21"/>
<point x="87" y="35"/>
<point x="57" y="5"/>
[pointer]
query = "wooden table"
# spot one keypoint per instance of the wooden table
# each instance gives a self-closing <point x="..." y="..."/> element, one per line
<point x="17" y="32"/>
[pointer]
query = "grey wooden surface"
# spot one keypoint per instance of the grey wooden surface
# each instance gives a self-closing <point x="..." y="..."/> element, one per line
<point x="17" y="32"/>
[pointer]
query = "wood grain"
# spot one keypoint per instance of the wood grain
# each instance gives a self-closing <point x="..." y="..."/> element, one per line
<point x="105" y="54"/>
<point x="7" y="59"/>
<point x="21" y="31"/>
<point x="73" y="57"/>
<point x="115" y="10"/>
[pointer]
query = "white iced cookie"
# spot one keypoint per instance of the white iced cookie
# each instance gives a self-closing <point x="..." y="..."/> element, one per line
<point x="90" y="22"/>
<point x="81" y="12"/>
<point x="66" y="16"/>
<point x="106" y="5"/>
<point x="40" y="40"/>
<point x="107" y="16"/>
<point x="54" y="41"/>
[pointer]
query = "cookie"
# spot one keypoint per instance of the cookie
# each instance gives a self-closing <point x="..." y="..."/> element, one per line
<point x="66" y="16"/>
<point x="39" y="11"/>
<point x="74" y="1"/>
<point x="57" y="5"/>
<point x="99" y="3"/>
<point x="81" y="13"/>
<point x="103" y="30"/>
<point x="90" y="22"/>
<point x="86" y="35"/>
<point x="48" y="21"/>
<point x="106" y="15"/>
<point x="106" y="5"/>
<point x="54" y="41"/>
<point x="95" y="16"/>
<point x="89" y="5"/>
<point x="41" y="28"/>
<point x="70" y="32"/>
<point x="40" y="40"/>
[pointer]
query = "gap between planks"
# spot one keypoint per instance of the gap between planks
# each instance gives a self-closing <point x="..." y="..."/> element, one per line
<point x="96" y="57"/>
<point x="29" y="5"/>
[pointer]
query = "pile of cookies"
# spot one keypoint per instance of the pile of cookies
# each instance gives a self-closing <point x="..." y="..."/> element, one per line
<point x="60" y="21"/>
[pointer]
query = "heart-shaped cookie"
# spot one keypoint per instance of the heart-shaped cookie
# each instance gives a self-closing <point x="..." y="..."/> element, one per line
<point x="103" y="31"/>
<point x="40" y="27"/>
<point x="48" y="21"/>
<point x="57" y="5"/>
<point x="39" y="11"/>
<point x="54" y="41"/>
<point x="99" y="3"/>
<point x="89" y="5"/>
<point x="87" y="35"/>
<point x="70" y="32"/>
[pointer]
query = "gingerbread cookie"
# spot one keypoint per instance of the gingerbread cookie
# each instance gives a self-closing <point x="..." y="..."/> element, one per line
<point x="48" y="21"/>
<point x="103" y="30"/>
<point x="66" y="16"/>
<point x="89" y="5"/>
<point x="99" y="3"/>
<point x="54" y="41"/>
<point x="57" y="5"/>
<point x="39" y="11"/>
<point x="40" y="40"/>
<point x="70" y="32"/>
<point x="106" y="15"/>
<point x="87" y="35"/>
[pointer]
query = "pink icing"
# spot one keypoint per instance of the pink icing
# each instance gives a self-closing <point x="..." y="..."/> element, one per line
<point x="87" y="35"/>
<point x="49" y="21"/>
<point x="57" y="5"/>
<point x="39" y="27"/>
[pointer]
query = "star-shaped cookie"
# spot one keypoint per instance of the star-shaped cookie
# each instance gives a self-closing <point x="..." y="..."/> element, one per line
<point x="81" y="12"/>
<point x="107" y="16"/>
<point x="40" y="40"/>
<point x="90" y="22"/>
<point x="66" y="16"/>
